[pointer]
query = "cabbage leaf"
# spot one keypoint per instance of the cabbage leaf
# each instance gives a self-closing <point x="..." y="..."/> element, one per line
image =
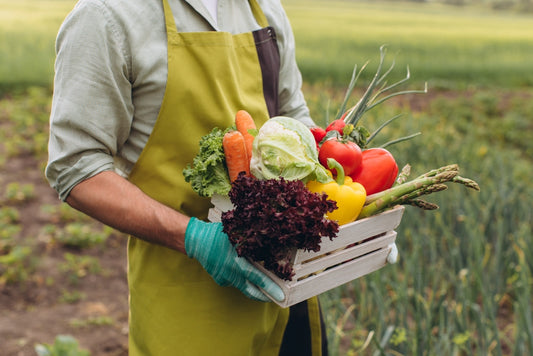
<point x="285" y="147"/>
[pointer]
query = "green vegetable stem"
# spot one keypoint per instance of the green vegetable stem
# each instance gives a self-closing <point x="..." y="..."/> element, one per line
<point x="410" y="192"/>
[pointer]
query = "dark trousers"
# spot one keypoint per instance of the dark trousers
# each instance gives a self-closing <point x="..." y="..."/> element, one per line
<point x="297" y="337"/>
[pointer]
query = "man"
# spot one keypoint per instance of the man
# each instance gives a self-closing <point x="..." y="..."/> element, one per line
<point x="137" y="83"/>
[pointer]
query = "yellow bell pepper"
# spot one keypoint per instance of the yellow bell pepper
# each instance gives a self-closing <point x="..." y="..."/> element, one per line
<point x="349" y="195"/>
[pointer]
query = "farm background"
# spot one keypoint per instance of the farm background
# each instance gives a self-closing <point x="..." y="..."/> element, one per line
<point x="463" y="284"/>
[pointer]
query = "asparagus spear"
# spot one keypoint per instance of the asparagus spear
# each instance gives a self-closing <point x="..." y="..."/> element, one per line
<point x="404" y="174"/>
<point x="410" y="191"/>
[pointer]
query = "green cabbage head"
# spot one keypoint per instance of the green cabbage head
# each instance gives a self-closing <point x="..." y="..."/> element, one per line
<point x="285" y="147"/>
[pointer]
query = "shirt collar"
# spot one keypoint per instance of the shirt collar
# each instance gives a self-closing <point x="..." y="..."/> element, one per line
<point x="200" y="8"/>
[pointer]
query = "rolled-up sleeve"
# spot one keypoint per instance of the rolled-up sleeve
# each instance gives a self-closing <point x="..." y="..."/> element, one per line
<point x="92" y="108"/>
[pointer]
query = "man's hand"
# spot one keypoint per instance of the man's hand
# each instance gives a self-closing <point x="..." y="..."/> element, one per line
<point x="211" y="247"/>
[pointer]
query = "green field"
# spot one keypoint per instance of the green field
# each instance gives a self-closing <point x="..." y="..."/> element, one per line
<point x="28" y="30"/>
<point x="445" y="45"/>
<point x="448" y="46"/>
<point x="464" y="281"/>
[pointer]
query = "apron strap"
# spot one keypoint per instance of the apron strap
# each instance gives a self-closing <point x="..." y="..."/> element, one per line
<point x="269" y="60"/>
<point x="258" y="13"/>
<point x="169" y="20"/>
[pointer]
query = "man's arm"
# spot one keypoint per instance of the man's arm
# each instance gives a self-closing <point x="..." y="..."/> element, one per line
<point x="118" y="203"/>
<point x="114" y="201"/>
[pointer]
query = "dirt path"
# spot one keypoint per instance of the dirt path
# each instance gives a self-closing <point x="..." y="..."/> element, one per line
<point x="89" y="303"/>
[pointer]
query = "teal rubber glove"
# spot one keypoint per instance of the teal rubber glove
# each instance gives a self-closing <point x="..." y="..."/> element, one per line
<point x="207" y="243"/>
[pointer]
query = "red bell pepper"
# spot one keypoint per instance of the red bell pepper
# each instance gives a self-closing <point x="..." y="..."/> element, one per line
<point x="378" y="170"/>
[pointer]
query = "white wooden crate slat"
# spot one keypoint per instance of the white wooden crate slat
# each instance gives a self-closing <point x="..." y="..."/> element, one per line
<point x="356" y="232"/>
<point x="343" y="255"/>
<point x="297" y="291"/>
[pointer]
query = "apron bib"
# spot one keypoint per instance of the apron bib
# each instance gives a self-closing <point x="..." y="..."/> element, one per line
<point x="175" y="306"/>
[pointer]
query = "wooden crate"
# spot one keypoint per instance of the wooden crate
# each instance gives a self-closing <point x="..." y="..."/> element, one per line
<point x="360" y="248"/>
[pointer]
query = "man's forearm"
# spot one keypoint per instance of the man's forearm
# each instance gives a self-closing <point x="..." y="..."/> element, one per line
<point x="116" y="202"/>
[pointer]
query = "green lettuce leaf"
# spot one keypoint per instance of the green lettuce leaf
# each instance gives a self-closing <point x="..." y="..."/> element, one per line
<point x="208" y="174"/>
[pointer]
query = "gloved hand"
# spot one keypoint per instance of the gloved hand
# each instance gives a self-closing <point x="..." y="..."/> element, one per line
<point x="211" y="247"/>
<point x="392" y="257"/>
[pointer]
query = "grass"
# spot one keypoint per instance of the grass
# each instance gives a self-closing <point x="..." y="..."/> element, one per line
<point x="464" y="281"/>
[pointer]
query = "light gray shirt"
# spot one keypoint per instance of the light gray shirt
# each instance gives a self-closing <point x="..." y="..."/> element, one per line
<point x="111" y="69"/>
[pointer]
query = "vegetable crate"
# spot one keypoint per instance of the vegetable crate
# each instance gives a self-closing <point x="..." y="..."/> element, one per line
<point x="360" y="248"/>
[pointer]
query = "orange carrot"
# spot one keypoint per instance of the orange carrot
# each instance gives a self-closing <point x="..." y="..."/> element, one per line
<point x="244" y="122"/>
<point x="235" y="152"/>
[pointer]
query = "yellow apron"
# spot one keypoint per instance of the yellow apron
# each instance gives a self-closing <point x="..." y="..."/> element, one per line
<point x="175" y="306"/>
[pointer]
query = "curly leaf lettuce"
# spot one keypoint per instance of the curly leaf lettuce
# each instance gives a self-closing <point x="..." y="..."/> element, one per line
<point x="208" y="174"/>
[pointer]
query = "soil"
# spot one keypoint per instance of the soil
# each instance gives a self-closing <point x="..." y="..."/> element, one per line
<point x="92" y="307"/>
